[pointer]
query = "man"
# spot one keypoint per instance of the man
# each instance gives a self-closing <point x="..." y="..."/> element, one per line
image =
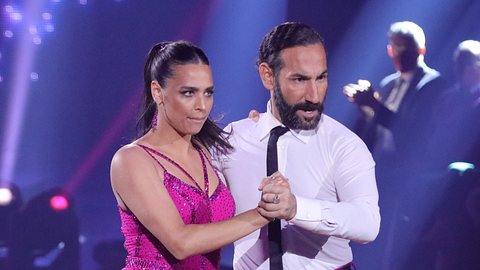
<point x="467" y="67"/>
<point x="332" y="197"/>
<point x="459" y="207"/>
<point x="397" y="123"/>
<point x="398" y="118"/>
<point x="467" y="64"/>
<point x="460" y="106"/>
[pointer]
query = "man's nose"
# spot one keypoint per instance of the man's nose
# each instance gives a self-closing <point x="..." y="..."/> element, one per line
<point x="312" y="93"/>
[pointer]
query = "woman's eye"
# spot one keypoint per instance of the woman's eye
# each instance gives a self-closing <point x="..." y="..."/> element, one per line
<point x="187" y="93"/>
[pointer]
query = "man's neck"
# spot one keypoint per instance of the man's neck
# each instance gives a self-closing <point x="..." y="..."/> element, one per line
<point x="407" y="75"/>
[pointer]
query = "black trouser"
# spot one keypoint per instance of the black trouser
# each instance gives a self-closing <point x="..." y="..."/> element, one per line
<point x="348" y="266"/>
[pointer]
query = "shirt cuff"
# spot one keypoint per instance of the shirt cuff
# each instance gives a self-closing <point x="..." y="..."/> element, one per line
<point x="307" y="210"/>
<point x="313" y="215"/>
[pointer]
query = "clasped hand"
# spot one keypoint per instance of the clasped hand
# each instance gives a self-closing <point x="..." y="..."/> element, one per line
<point x="277" y="200"/>
<point x="361" y="93"/>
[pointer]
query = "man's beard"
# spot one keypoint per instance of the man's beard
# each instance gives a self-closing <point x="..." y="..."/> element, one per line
<point x="288" y="112"/>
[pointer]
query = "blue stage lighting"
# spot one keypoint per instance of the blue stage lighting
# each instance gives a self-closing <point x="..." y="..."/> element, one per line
<point x="461" y="167"/>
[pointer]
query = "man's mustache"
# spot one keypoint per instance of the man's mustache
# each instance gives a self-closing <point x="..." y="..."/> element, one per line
<point x="308" y="106"/>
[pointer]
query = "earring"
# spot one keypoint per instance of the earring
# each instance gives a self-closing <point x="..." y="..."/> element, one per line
<point x="153" y="124"/>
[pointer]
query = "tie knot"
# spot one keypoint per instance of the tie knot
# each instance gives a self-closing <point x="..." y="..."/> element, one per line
<point x="275" y="133"/>
<point x="278" y="131"/>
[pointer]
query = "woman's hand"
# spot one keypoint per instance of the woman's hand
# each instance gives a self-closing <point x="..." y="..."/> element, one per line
<point x="277" y="200"/>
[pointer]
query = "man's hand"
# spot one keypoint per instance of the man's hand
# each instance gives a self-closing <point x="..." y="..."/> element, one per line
<point x="277" y="199"/>
<point x="362" y="94"/>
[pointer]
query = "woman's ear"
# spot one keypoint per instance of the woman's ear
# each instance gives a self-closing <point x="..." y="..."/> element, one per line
<point x="266" y="74"/>
<point x="156" y="91"/>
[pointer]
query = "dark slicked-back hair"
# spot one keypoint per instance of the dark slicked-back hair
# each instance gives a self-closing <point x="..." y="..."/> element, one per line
<point x="284" y="36"/>
<point x="159" y="67"/>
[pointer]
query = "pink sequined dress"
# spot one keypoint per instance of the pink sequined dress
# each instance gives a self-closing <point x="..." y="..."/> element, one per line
<point x="144" y="251"/>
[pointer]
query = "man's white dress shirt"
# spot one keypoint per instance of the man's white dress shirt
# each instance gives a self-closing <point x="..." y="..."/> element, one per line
<point x="331" y="173"/>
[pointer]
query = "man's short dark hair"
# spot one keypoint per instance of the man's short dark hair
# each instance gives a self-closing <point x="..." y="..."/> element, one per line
<point x="408" y="30"/>
<point x="283" y="36"/>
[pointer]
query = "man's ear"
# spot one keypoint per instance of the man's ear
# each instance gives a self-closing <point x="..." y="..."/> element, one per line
<point x="389" y="50"/>
<point x="266" y="74"/>
<point x="156" y="91"/>
<point x="421" y="51"/>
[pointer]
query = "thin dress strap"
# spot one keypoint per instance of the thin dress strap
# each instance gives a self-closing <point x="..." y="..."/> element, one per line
<point x="150" y="154"/>
<point x="210" y="163"/>
<point x="204" y="167"/>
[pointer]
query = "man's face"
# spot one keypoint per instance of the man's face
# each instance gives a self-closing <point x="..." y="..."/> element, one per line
<point x="467" y="69"/>
<point x="404" y="53"/>
<point x="301" y="86"/>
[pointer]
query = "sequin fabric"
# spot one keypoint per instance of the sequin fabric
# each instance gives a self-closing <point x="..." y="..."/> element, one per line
<point x="144" y="251"/>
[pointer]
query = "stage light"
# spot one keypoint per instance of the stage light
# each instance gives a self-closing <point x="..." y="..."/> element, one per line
<point x="32" y="29"/>
<point x="9" y="9"/>
<point x="49" y="28"/>
<point x="16" y="16"/>
<point x="13" y="13"/>
<point x="59" y="203"/>
<point x="47" y="16"/>
<point x="6" y="196"/>
<point x="9" y="197"/>
<point x="10" y="204"/>
<point x="37" y="40"/>
<point x="34" y="76"/>
<point x="8" y="33"/>
<point x="461" y="167"/>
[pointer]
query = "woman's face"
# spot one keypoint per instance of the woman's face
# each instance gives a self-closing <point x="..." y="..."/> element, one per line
<point x="187" y="98"/>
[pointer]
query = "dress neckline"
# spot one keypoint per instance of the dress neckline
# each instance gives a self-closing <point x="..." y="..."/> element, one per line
<point x="205" y="190"/>
<point x="179" y="181"/>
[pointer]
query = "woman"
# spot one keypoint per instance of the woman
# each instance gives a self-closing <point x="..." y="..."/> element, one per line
<point x="175" y="212"/>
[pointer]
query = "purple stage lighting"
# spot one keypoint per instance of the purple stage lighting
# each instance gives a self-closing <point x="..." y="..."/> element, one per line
<point x="59" y="203"/>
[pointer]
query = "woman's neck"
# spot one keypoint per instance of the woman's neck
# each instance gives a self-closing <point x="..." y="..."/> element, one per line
<point x="168" y="138"/>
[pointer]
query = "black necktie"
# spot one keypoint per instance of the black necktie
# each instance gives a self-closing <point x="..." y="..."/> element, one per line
<point x="393" y="102"/>
<point x="274" y="228"/>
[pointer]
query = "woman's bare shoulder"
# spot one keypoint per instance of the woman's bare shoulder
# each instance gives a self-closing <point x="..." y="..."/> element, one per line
<point x="130" y="152"/>
<point x="129" y="156"/>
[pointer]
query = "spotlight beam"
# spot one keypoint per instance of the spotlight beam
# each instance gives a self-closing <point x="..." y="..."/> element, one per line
<point x="24" y="60"/>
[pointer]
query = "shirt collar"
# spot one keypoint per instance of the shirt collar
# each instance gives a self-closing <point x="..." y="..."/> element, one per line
<point x="407" y="76"/>
<point x="267" y="121"/>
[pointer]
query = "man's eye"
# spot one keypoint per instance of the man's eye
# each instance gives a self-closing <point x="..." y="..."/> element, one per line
<point x="209" y="93"/>
<point x="299" y="79"/>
